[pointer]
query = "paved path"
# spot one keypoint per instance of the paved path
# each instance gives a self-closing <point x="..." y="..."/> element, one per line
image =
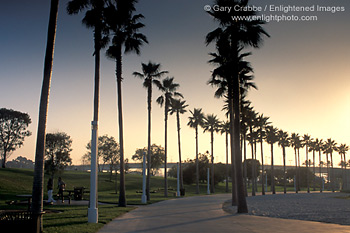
<point x="205" y="214"/>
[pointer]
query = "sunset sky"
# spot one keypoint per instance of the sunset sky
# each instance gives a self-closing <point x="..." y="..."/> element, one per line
<point x="302" y="73"/>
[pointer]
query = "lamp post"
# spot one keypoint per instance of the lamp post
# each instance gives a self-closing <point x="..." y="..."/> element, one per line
<point x="144" y="197"/>
<point x="93" y="210"/>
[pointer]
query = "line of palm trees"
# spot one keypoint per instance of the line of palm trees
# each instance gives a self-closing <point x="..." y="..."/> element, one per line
<point x="256" y="129"/>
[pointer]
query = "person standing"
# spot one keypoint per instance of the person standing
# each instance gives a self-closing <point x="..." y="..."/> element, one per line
<point x="49" y="191"/>
<point x="61" y="188"/>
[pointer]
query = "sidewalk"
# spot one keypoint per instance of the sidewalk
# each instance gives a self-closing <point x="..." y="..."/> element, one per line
<point x="205" y="214"/>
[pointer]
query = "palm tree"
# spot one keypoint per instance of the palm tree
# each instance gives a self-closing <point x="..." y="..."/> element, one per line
<point x="211" y="123"/>
<point x="319" y="148"/>
<point x="272" y="138"/>
<point x="225" y="129"/>
<point x="125" y="28"/>
<point x="307" y="141"/>
<point x="94" y="18"/>
<point x="194" y="121"/>
<point x="230" y="36"/>
<point x="296" y="144"/>
<point x="179" y="107"/>
<point x="150" y="73"/>
<point x="329" y="147"/>
<point x="262" y="123"/>
<point x="312" y="148"/>
<point x="342" y="149"/>
<point x="38" y="181"/>
<point x="168" y="88"/>
<point x="252" y="137"/>
<point x="284" y="141"/>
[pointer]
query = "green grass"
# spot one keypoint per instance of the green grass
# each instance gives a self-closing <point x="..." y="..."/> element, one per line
<point x="74" y="218"/>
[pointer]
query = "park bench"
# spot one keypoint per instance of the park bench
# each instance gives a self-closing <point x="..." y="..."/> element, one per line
<point x="17" y="221"/>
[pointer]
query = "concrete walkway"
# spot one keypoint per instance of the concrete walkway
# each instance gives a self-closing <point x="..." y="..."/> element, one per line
<point x="205" y="214"/>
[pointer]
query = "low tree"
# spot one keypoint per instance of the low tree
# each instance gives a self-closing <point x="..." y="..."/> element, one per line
<point x="21" y="162"/>
<point x="13" y="131"/>
<point x="57" y="152"/>
<point x="157" y="157"/>
<point x="110" y="152"/>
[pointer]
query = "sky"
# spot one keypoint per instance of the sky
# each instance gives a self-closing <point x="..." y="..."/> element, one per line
<point x="302" y="72"/>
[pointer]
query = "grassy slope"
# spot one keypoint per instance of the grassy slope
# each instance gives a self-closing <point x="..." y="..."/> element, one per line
<point x="74" y="218"/>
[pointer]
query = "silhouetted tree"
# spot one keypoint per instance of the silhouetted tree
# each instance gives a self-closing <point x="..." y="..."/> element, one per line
<point x="38" y="180"/>
<point x="284" y="141"/>
<point x="231" y="35"/>
<point x="194" y="121"/>
<point x="125" y="26"/>
<point x="150" y="73"/>
<point x="211" y="124"/>
<point x="57" y="152"/>
<point x="157" y="157"/>
<point x="169" y="90"/>
<point x="13" y="131"/>
<point x="179" y="107"/>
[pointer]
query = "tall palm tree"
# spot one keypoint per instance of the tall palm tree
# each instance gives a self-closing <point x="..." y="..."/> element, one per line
<point x="272" y="138"/>
<point x="169" y="90"/>
<point x="252" y="137"/>
<point x="211" y="124"/>
<point x="150" y="73"/>
<point x="262" y="123"/>
<point x="296" y="144"/>
<point x="284" y="141"/>
<point x="194" y="121"/>
<point x="312" y="148"/>
<point x="342" y="149"/>
<point x="319" y="148"/>
<point x="94" y="18"/>
<point x="306" y="142"/>
<point x="125" y="28"/>
<point x="179" y="107"/>
<point x="231" y="35"/>
<point x="244" y="128"/>
<point x="38" y="181"/>
<point x="330" y="146"/>
<point x="225" y="129"/>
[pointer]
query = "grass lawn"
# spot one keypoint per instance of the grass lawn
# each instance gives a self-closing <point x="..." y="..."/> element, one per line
<point x="66" y="218"/>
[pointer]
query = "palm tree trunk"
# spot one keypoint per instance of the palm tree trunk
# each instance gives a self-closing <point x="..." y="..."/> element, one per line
<point x="296" y="170"/>
<point x="233" y="159"/>
<point x="38" y="181"/>
<point x="313" y="155"/>
<point x="332" y="173"/>
<point x="245" y="170"/>
<point x="272" y="172"/>
<point x="242" y="203"/>
<point x="346" y="177"/>
<point x="262" y="166"/>
<point x="307" y="169"/>
<point x="122" y="196"/>
<point x="149" y="103"/>
<point x="253" y="165"/>
<point x="328" y="178"/>
<point x="227" y="169"/>
<point x="284" y="169"/>
<point x="320" y="170"/>
<point x="179" y="144"/>
<point x="299" y="186"/>
<point x="197" y="162"/>
<point x="212" y="186"/>
<point x="166" y="150"/>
